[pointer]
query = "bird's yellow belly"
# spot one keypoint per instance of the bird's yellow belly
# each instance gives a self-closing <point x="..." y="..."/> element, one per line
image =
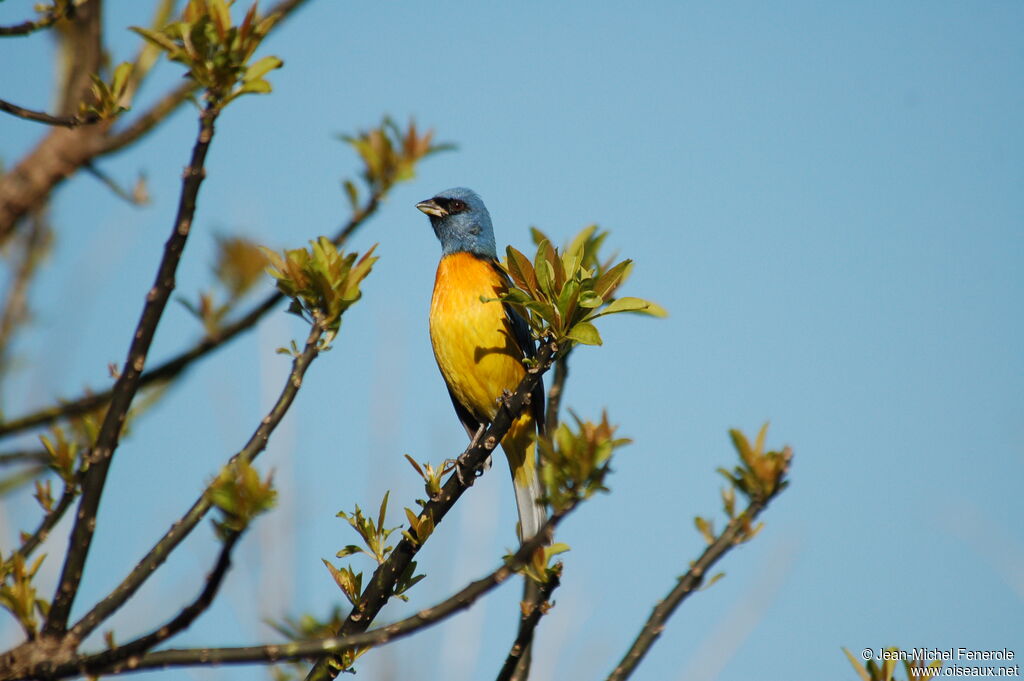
<point x="472" y="342"/>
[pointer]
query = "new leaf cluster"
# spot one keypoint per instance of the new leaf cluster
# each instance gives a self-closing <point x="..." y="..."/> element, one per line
<point x="561" y="294"/>
<point x="322" y="281"/>
<point x="215" y="51"/>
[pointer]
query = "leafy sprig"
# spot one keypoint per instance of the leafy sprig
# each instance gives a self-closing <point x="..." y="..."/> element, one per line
<point x="575" y="461"/>
<point x="215" y="51"/>
<point x="241" y="495"/>
<point x="389" y="155"/>
<point x="110" y="99"/>
<point x="18" y="594"/>
<point x="761" y="474"/>
<point x="322" y="281"/>
<point x="561" y="294"/>
<point x="375" y="536"/>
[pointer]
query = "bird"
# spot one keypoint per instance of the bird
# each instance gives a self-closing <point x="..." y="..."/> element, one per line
<point x="480" y="346"/>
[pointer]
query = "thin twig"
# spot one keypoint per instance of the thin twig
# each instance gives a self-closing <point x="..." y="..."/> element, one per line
<point x="116" y="140"/>
<point x="382" y="584"/>
<point x="49" y="520"/>
<point x="134" y="197"/>
<point x="129" y="381"/>
<point x="527" y="626"/>
<point x="24" y="456"/>
<point x="555" y="393"/>
<point x="295" y="651"/>
<point x="16" y="310"/>
<point x="43" y="117"/>
<point x="31" y="26"/>
<point x="174" y="366"/>
<point x="181" y="529"/>
<point x="686" y="585"/>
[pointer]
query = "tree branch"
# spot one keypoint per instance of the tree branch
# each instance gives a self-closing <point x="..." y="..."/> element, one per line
<point x="135" y="197"/>
<point x="555" y="393"/>
<point x="31" y="26"/>
<point x="527" y="626"/>
<point x="43" y="117"/>
<point x="24" y="456"/>
<point x="129" y="382"/>
<point x="143" y="123"/>
<point x="49" y="521"/>
<point x="183" y="527"/>
<point x="382" y="584"/>
<point x="15" y="311"/>
<point x="177" y="364"/>
<point x="731" y="536"/>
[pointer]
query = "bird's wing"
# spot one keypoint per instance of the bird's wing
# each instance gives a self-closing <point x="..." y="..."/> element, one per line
<point x="469" y="422"/>
<point x="521" y="335"/>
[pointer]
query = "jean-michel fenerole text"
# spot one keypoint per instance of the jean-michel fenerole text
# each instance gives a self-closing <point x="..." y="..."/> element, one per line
<point x="957" y="654"/>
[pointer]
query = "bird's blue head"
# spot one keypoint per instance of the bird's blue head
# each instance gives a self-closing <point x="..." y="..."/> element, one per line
<point x="461" y="222"/>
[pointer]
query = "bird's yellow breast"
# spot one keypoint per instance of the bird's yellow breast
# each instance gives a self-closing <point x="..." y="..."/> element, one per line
<point x="472" y="341"/>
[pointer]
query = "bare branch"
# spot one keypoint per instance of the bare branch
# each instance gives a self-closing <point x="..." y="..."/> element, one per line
<point x="43" y="117"/>
<point x="527" y="626"/>
<point x="15" y="311"/>
<point x="24" y="456"/>
<point x="129" y="381"/>
<point x="57" y="12"/>
<point x="164" y="107"/>
<point x="49" y="521"/>
<point x="555" y="393"/>
<point x="136" y="196"/>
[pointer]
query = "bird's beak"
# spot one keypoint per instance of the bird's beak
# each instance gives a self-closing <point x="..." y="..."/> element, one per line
<point x="430" y="207"/>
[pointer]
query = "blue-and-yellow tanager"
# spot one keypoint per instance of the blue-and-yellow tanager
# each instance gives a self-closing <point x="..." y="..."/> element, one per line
<point x="479" y="346"/>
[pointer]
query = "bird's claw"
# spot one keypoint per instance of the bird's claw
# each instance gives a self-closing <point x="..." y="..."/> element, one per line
<point x="460" y="462"/>
<point x="506" y="399"/>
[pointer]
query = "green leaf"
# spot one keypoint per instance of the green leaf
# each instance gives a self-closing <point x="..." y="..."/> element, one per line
<point x="352" y="192"/>
<point x="557" y="548"/>
<point x="585" y="333"/>
<point x="521" y="270"/>
<point x="120" y="80"/>
<point x="256" y="87"/>
<point x="383" y="511"/>
<point x="589" y="299"/>
<point x="611" y="279"/>
<point x="575" y="252"/>
<point x="262" y="68"/>
<point x="158" y="39"/>
<point x="545" y="273"/>
<point x="630" y="304"/>
<point x="857" y="666"/>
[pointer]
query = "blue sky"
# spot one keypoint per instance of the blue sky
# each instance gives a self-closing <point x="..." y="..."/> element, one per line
<point x="825" y="197"/>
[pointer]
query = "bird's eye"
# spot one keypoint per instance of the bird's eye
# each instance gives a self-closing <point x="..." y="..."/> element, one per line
<point x="457" y="206"/>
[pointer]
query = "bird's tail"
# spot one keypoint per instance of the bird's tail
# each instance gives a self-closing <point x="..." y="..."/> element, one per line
<point x="522" y="461"/>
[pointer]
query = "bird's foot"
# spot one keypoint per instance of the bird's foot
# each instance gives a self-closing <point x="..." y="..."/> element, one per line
<point x="461" y="462"/>
<point x="506" y="399"/>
